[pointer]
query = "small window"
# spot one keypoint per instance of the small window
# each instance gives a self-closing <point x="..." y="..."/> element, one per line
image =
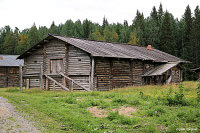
<point x="79" y="59"/>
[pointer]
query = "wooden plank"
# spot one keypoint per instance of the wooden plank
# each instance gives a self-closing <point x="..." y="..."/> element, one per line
<point x="27" y="83"/>
<point x="47" y="84"/>
<point x="92" y="75"/>
<point x="20" y="75"/>
<point x="74" y="82"/>
<point x="65" y="88"/>
<point x="41" y="76"/>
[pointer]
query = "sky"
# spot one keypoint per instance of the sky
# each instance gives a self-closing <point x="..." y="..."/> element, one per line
<point x="23" y="13"/>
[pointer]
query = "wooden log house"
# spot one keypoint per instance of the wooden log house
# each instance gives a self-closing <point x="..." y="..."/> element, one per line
<point x="9" y="70"/>
<point x="59" y="62"/>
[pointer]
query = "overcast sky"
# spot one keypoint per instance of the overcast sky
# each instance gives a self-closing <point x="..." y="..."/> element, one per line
<point x="23" y="13"/>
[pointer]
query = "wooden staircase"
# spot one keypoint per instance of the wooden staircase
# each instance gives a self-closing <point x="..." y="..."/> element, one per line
<point x="70" y="80"/>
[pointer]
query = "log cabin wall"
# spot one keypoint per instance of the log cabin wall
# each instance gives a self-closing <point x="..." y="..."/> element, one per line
<point x="54" y="56"/>
<point x="9" y="76"/>
<point x="79" y="66"/>
<point x="113" y="73"/>
<point x="31" y="70"/>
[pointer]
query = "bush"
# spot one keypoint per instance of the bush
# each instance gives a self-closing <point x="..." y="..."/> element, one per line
<point x="176" y="99"/>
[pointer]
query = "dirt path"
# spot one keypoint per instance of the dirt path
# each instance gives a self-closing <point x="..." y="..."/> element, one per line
<point x="12" y="122"/>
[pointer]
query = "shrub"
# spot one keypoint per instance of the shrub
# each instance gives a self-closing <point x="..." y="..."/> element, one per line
<point x="176" y="99"/>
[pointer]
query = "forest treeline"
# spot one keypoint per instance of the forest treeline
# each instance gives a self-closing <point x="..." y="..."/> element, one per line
<point x="179" y="37"/>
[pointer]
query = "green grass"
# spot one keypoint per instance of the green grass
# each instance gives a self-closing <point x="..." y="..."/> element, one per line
<point x="159" y="109"/>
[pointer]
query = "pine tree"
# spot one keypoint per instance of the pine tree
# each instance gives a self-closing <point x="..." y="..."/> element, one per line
<point x="138" y="26"/>
<point x="154" y="15"/>
<point x="195" y="38"/>
<point x="167" y="40"/>
<point x="160" y="13"/>
<point x="53" y="29"/>
<point x="86" y="28"/>
<point x="33" y="36"/>
<point x="43" y="32"/>
<point x="104" y="25"/>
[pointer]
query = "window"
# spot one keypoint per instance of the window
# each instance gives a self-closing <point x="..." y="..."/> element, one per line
<point x="56" y="65"/>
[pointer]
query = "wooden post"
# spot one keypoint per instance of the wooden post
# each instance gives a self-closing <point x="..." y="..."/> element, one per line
<point x="27" y="83"/>
<point x="41" y="76"/>
<point x="72" y="86"/>
<point x="92" y="75"/>
<point x="20" y="77"/>
<point x="54" y="85"/>
<point x="47" y="84"/>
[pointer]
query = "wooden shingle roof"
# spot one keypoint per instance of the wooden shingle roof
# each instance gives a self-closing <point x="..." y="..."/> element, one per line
<point x="159" y="70"/>
<point x="115" y="50"/>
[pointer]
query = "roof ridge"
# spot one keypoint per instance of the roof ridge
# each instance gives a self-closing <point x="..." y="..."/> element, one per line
<point x="96" y="40"/>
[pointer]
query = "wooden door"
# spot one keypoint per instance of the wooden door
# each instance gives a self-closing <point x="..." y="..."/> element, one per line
<point x="56" y="66"/>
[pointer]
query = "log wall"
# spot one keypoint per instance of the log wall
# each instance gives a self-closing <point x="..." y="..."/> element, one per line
<point x="79" y="66"/>
<point x="32" y="67"/>
<point x="116" y="73"/>
<point x="9" y="76"/>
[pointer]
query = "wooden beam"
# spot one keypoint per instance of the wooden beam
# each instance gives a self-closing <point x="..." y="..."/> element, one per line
<point x="20" y="78"/>
<point x="47" y="84"/>
<point x="92" y="75"/>
<point x="27" y="83"/>
<point x="41" y="76"/>
<point x="73" y="81"/>
<point x="56" y="82"/>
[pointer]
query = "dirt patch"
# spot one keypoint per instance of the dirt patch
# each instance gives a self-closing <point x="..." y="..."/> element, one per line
<point x="97" y="112"/>
<point x="3" y="111"/>
<point x="126" y="111"/>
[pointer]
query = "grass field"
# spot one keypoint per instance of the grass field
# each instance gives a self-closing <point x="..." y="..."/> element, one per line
<point x="170" y="108"/>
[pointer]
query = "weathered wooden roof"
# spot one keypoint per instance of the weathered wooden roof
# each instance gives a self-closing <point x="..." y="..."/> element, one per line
<point x="10" y="60"/>
<point x="159" y="70"/>
<point x="116" y="50"/>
